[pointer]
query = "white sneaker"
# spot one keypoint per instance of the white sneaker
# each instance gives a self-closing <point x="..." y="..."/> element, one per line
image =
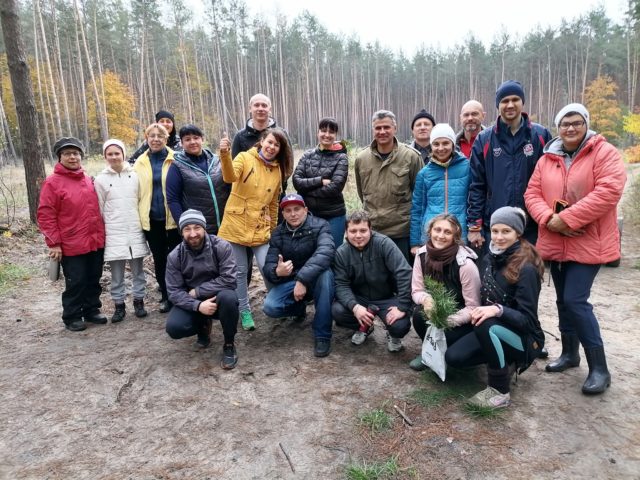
<point x="490" y="397"/>
<point x="394" y="344"/>
<point x="359" y="337"/>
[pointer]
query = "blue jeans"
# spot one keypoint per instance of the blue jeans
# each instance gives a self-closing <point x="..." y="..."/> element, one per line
<point x="573" y="283"/>
<point x="337" y="226"/>
<point x="280" y="303"/>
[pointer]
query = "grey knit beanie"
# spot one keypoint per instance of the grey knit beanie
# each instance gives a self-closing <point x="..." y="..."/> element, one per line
<point x="511" y="216"/>
<point x="192" y="217"/>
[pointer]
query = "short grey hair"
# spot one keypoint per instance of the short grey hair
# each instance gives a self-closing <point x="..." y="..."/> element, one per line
<point x="380" y="114"/>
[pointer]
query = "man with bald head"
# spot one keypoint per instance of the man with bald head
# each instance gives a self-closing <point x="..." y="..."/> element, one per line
<point x="259" y="120"/>
<point x="471" y="118"/>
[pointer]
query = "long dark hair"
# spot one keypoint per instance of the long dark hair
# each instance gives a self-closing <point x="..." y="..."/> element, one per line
<point x="525" y="254"/>
<point x="284" y="156"/>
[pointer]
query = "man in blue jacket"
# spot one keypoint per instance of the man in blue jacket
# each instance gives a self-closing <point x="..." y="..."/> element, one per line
<point x="502" y="162"/>
<point x="201" y="283"/>
<point x="298" y="263"/>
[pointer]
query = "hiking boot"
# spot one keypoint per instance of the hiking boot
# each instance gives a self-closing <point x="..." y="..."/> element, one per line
<point x="322" y="347"/>
<point x="544" y="353"/>
<point x="76" y="325"/>
<point x="394" y="344"/>
<point x="138" y="307"/>
<point x="360" y="336"/>
<point x="417" y="365"/>
<point x="570" y="356"/>
<point x="119" y="313"/>
<point x="204" y="334"/>
<point x="96" y="318"/>
<point x="165" y="305"/>
<point x="490" y="398"/>
<point x="229" y="356"/>
<point x="247" y="321"/>
<point x="599" y="378"/>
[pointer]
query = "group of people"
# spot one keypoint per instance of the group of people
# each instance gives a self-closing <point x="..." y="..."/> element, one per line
<point x="465" y="209"/>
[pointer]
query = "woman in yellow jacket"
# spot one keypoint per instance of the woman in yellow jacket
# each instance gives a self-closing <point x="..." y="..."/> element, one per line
<point x="251" y="214"/>
<point x="159" y="228"/>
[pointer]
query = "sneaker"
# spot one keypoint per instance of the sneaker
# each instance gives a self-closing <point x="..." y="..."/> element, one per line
<point x="247" y="320"/>
<point x="75" y="325"/>
<point x="322" y="347"/>
<point x="491" y="398"/>
<point x="96" y="318"/>
<point x="417" y="365"/>
<point x="229" y="356"/>
<point x="394" y="344"/>
<point x="360" y="337"/>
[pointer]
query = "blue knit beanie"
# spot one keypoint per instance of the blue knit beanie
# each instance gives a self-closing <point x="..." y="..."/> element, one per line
<point x="510" y="87"/>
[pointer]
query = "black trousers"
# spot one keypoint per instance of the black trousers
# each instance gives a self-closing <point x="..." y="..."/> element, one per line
<point x="183" y="323"/>
<point x="82" y="290"/>
<point x="161" y="242"/>
<point x="345" y="318"/>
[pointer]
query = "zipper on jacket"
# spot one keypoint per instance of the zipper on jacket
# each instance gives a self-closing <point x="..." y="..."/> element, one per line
<point x="247" y="177"/>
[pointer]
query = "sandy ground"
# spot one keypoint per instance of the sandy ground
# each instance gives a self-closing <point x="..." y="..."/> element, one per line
<point x="126" y="401"/>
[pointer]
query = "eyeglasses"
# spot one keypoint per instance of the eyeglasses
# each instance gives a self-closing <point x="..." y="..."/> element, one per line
<point x="567" y="125"/>
<point x="71" y="153"/>
<point x="156" y="137"/>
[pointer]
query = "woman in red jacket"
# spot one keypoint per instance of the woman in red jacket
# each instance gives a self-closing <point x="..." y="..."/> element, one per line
<point x="572" y="196"/>
<point x="70" y="220"/>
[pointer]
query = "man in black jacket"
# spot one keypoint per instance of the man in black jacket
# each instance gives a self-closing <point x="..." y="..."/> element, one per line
<point x="201" y="283"/>
<point x="372" y="279"/>
<point x="298" y="263"/>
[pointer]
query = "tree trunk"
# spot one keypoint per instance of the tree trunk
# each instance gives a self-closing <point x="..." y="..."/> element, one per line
<point x="32" y="152"/>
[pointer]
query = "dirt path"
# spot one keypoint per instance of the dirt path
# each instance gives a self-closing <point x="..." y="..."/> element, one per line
<point x="125" y="401"/>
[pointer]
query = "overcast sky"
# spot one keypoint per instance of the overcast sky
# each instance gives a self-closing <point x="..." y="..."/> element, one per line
<point x="406" y="24"/>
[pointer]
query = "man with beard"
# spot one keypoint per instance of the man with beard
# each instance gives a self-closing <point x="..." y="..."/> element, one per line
<point x="201" y="283"/>
<point x="471" y="118"/>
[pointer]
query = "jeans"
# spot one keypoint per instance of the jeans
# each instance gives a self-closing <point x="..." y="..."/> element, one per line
<point x="240" y="254"/>
<point x="183" y="323"/>
<point x="337" y="226"/>
<point x="82" y="290"/>
<point x="345" y="318"/>
<point x="280" y="303"/>
<point x="138" y="281"/>
<point x="161" y="241"/>
<point x="573" y="283"/>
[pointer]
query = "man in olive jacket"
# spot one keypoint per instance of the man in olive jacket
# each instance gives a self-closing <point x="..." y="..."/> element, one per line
<point x="298" y="263"/>
<point x="386" y="173"/>
<point x="372" y="279"/>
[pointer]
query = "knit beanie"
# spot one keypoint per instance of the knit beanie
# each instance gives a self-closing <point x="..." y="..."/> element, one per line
<point x="573" y="108"/>
<point x="443" y="130"/>
<point x="422" y="114"/>
<point x="165" y="114"/>
<point x="192" y="217"/>
<point x="117" y="143"/>
<point x="511" y="216"/>
<point x="510" y="87"/>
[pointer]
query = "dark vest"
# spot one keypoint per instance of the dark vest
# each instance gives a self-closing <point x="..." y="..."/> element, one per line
<point x="451" y="277"/>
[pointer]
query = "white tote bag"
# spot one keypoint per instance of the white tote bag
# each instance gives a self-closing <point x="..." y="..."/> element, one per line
<point x="434" y="347"/>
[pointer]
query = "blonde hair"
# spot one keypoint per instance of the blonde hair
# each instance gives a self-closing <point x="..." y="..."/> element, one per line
<point x="154" y="126"/>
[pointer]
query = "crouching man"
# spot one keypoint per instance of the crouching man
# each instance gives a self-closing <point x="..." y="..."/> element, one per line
<point x="372" y="278"/>
<point x="298" y="263"/>
<point x="201" y="284"/>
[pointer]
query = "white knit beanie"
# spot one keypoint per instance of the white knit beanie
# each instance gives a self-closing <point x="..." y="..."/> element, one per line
<point x="443" y="130"/>
<point x="117" y="143"/>
<point x="572" y="108"/>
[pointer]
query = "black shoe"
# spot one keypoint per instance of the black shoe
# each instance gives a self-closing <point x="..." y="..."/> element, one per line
<point x="119" y="313"/>
<point x="322" y="347"/>
<point x="75" y="325"/>
<point x="599" y="377"/>
<point x="165" y="305"/>
<point x="544" y="353"/>
<point x="138" y="307"/>
<point x="96" y="318"/>
<point x="570" y="356"/>
<point x="229" y="356"/>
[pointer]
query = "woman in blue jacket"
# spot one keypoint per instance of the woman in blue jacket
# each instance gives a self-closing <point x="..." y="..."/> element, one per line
<point x="442" y="186"/>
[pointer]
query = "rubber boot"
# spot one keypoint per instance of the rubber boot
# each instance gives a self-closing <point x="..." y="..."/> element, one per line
<point x="570" y="356"/>
<point x="138" y="307"/>
<point x="599" y="377"/>
<point x="119" y="313"/>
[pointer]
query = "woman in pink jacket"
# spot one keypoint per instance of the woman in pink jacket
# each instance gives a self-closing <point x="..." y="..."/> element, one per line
<point x="572" y="196"/>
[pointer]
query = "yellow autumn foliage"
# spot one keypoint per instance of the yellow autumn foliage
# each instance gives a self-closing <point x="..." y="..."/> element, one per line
<point x="604" y="109"/>
<point x="120" y="107"/>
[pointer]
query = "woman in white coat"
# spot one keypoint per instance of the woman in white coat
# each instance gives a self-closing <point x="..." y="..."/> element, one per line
<point x="117" y="188"/>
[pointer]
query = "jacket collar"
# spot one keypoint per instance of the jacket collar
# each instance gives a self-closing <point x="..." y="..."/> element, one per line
<point x="62" y="170"/>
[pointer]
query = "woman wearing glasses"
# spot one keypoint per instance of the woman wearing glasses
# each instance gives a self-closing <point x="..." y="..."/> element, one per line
<point x="572" y="195"/>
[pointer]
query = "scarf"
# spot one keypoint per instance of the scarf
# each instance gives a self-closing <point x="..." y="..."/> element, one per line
<point x="438" y="258"/>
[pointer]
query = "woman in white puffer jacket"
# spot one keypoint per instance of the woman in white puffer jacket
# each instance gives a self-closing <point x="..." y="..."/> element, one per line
<point x="117" y="188"/>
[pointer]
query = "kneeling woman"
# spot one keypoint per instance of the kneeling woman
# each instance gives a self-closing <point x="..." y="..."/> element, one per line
<point x="445" y="259"/>
<point x="506" y="327"/>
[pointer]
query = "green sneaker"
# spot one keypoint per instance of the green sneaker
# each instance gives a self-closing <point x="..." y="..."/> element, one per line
<point x="247" y="320"/>
<point x="491" y="398"/>
<point x="417" y="365"/>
